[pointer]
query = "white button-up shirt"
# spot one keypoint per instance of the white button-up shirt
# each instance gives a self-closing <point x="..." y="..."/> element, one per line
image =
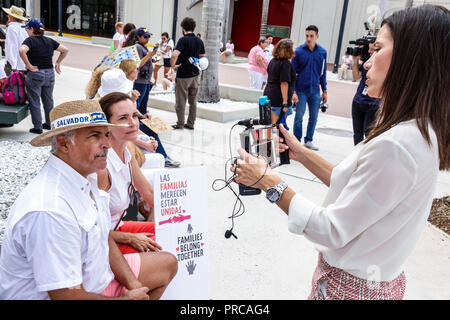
<point x="15" y="35"/>
<point x="56" y="236"/>
<point x="119" y="199"/>
<point x="377" y="205"/>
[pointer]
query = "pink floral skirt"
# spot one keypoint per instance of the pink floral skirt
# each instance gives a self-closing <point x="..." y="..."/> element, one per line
<point x="330" y="283"/>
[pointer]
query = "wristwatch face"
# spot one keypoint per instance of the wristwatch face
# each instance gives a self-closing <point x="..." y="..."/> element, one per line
<point x="272" y="195"/>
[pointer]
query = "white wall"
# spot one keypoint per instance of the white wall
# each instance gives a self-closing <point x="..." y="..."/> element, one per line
<point x="195" y="13"/>
<point x="155" y="15"/>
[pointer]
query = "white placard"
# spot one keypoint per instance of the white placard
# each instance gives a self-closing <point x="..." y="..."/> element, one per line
<point x="181" y="228"/>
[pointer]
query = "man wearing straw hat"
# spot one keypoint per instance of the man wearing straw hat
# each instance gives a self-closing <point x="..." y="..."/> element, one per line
<point x="57" y="243"/>
<point x="15" y="35"/>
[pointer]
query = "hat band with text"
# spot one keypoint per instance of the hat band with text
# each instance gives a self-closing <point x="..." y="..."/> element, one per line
<point x="81" y="118"/>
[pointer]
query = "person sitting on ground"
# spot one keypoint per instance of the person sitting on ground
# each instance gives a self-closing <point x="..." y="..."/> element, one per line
<point x="123" y="176"/>
<point x="229" y="50"/>
<point x="45" y="252"/>
<point x="115" y="80"/>
<point x="346" y="64"/>
<point x="169" y="81"/>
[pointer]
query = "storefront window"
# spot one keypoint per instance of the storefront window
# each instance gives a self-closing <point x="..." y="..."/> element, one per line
<point x="88" y="17"/>
<point x="8" y="4"/>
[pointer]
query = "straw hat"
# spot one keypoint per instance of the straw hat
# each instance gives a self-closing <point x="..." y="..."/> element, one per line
<point x="115" y="80"/>
<point x="73" y="115"/>
<point x="16" y="12"/>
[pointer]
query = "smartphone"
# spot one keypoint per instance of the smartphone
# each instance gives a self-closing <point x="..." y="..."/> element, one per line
<point x="155" y="48"/>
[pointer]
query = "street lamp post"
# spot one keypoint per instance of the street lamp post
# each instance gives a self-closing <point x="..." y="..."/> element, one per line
<point x="341" y="35"/>
<point x="60" y="18"/>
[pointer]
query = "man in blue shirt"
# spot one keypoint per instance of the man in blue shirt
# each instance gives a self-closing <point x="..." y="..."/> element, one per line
<point x="310" y="64"/>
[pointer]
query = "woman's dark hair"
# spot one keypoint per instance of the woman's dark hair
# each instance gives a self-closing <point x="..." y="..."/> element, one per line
<point x="284" y="49"/>
<point x="417" y="84"/>
<point x="131" y="39"/>
<point x="188" y="24"/>
<point x="128" y="27"/>
<point x="111" y="99"/>
<point x="165" y="34"/>
<point x="38" y="32"/>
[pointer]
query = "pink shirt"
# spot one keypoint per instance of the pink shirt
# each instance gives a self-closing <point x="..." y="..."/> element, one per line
<point x="252" y="64"/>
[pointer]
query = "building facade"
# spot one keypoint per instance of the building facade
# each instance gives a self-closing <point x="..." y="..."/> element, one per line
<point x="242" y="18"/>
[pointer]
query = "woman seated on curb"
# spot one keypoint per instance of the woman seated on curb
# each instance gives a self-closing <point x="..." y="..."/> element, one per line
<point x="123" y="175"/>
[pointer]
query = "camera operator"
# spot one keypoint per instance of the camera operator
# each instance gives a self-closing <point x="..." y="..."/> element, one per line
<point x="364" y="108"/>
<point x="380" y="195"/>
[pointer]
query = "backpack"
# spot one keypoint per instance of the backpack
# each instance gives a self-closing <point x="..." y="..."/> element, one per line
<point x="14" y="89"/>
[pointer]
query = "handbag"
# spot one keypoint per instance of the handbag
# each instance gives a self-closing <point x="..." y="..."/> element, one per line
<point x="132" y="194"/>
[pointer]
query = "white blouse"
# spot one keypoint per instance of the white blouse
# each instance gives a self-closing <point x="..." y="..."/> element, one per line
<point x="377" y="204"/>
<point x="120" y="182"/>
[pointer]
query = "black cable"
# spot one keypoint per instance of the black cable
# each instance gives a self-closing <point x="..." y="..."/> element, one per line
<point x="227" y="182"/>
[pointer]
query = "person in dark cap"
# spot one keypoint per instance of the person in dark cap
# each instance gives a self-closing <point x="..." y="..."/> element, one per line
<point x="143" y="83"/>
<point x="37" y="53"/>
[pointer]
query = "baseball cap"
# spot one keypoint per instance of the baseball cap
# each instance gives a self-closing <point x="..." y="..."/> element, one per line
<point x="143" y="32"/>
<point x="34" y="23"/>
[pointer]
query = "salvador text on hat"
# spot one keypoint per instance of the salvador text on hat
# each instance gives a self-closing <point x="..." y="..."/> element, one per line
<point x="70" y="116"/>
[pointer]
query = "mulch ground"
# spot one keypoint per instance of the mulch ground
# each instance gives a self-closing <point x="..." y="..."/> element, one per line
<point x="440" y="214"/>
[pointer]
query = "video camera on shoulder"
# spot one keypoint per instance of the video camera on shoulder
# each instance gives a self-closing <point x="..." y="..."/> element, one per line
<point x="361" y="47"/>
<point x="261" y="137"/>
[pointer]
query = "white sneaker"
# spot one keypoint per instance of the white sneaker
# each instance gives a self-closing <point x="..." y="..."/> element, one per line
<point x="311" y="146"/>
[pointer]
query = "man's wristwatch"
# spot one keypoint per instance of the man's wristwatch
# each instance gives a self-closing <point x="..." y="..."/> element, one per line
<point x="274" y="194"/>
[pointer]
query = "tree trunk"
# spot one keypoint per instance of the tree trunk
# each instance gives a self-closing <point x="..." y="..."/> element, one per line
<point x="212" y="16"/>
<point x="265" y="13"/>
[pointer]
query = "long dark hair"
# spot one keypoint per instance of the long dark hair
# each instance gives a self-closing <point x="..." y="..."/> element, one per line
<point x="131" y="39"/>
<point x="417" y="84"/>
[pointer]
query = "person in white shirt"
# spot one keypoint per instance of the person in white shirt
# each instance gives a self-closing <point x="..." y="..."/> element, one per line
<point x="269" y="49"/>
<point x="15" y="35"/>
<point x="380" y="196"/>
<point x="57" y="243"/>
<point x="123" y="175"/>
<point x="119" y="37"/>
<point x="346" y="64"/>
<point x="165" y="46"/>
<point x="229" y="50"/>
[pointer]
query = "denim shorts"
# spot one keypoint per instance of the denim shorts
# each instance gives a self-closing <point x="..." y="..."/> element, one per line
<point x="277" y="111"/>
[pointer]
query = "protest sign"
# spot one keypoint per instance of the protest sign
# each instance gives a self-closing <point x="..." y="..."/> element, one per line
<point x="181" y="228"/>
<point x="157" y="125"/>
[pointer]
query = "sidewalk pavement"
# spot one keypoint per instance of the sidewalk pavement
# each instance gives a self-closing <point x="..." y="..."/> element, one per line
<point x="266" y="261"/>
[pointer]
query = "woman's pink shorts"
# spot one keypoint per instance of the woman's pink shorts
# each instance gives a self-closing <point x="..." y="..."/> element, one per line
<point x="115" y="289"/>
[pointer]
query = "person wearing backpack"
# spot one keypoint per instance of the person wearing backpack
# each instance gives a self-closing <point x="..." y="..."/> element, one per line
<point x="37" y="53"/>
